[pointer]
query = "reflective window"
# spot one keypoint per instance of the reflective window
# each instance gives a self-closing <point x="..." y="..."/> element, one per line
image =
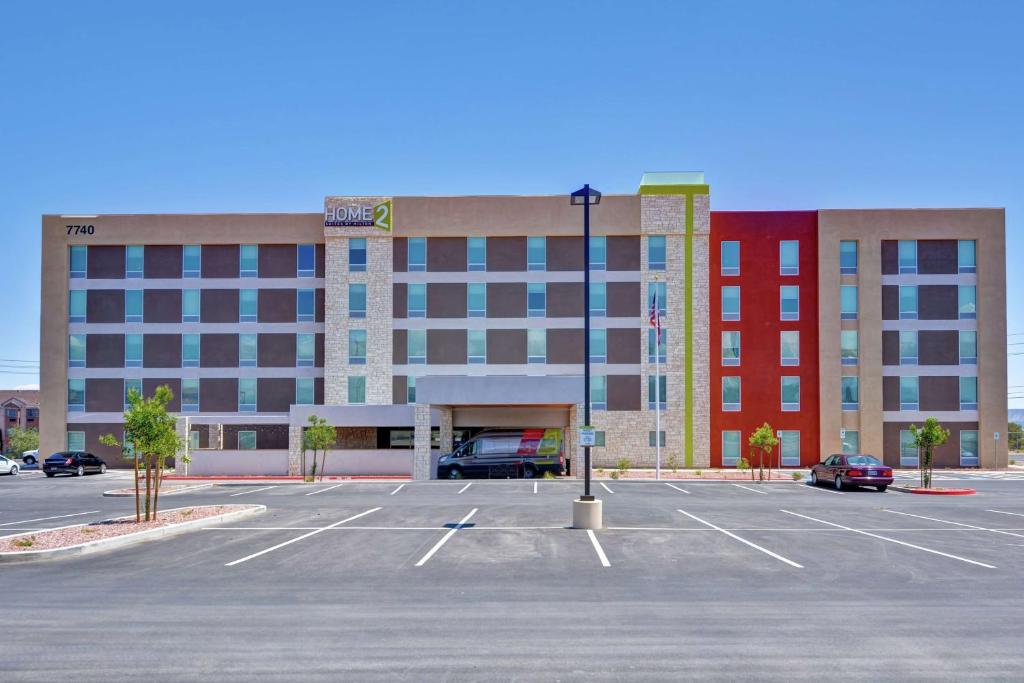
<point x="656" y="252"/>
<point x="246" y="395"/>
<point x="357" y="300"/>
<point x="78" y="259"/>
<point x="76" y="351"/>
<point x="730" y="258"/>
<point x="248" y="260"/>
<point x="598" y="299"/>
<point x="909" y="396"/>
<point x="789" y="448"/>
<point x="77" y="305"/>
<point x="247" y="350"/>
<point x="305" y="305"/>
<point x="789" y="257"/>
<point x="357" y="347"/>
<point x="789" y="302"/>
<point x="536" y="345"/>
<point x="536" y="253"/>
<point x="476" y="300"/>
<point x="908" y="302"/>
<point x="356" y="389"/>
<point x="730" y="394"/>
<point x="417" y="256"/>
<point x="598" y="345"/>
<point x="598" y="392"/>
<point x="851" y="442"/>
<point x="730" y="348"/>
<point x="908" y="347"/>
<point x="76" y="395"/>
<point x="968" y="448"/>
<point x="731" y="448"/>
<point x="848" y="257"/>
<point x="652" y="336"/>
<point x="657" y="392"/>
<point x="598" y="253"/>
<point x="247" y="305"/>
<point x="357" y="254"/>
<point x="476" y="253"/>
<point x="189" y="395"/>
<point x="417" y="300"/>
<point x="789" y="347"/>
<point x="193" y="439"/>
<point x="650" y="439"/>
<point x="476" y="346"/>
<point x="790" y="393"/>
<point x="76" y="441"/>
<point x="849" y="391"/>
<point x="133" y="350"/>
<point x="305" y="260"/>
<point x="416" y="347"/>
<point x="848" y="302"/>
<point x="968" y="347"/>
<point x="661" y="290"/>
<point x="305" y="350"/>
<point x="730" y="303"/>
<point x="908" y="256"/>
<point x="304" y="393"/>
<point x="410" y="389"/>
<point x="968" y="302"/>
<point x="908" y="449"/>
<point x="536" y="299"/>
<point x="190" y="305"/>
<point x="190" y="350"/>
<point x="135" y="385"/>
<point x="247" y="440"/>
<point x="968" y="393"/>
<point x="191" y="261"/>
<point x="966" y="256"/>
<point x="134" y="261"/>
<point x="849" y="347"/>
<point x="133" y="306"/>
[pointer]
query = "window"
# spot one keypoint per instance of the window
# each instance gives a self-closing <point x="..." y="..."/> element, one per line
<point x="598" y="392"/>
<point x="305" y="260"/>
<point x="193" y="439"/>
<point x="248" y="260"/>
<point x="598" y="299"/>
<point x="134" y="262"/>
<point x="661" y="290"/>
<point x="730" y="303"/>
<point x="190" y="350"/>
<point x="599" y="438"/>
<point x="76" y="441"/>
<point x="357" y="347"/>
<point x="656" y="252"/>
<point x="968" y="302"/>
<point x="357" y="254"/>
<point x="191" y="261"/>
<point x="730" y="348"/>
<point x="789" y="257"/>
<point x="849" y="347"/>
<point x="476" y="254"/>
<point x="135" y="385"/>
<point x="416" y="347"/>
<point x="789" y="448"/>
<point x="247" y="440"/>
<point x="598" y="253"/>
<point x="730" y="258"/>
<point x="789" y="347"/>
<point x="909" y="395"/>
<point x="789" y="302"/>
<point x="661" y="438"/>
<point x="908" y="449"/>
<point x="536" y="300"/>
<point x="657" y="393"/>
<point x="968" y="347"/>
<point x="417" y="300"/>
<point x="247" y="305"/>
<point x="190" y="395"/>
<point x="304" y="391"/>
<point x="133" y="305"/>
<point x="652" y="335"/>
<point x="78" y="260"/>
<point x="357" y="300"/>
<point x="305" y="305"/>
<point x="11" y="413"/>
<point x="190" y="302"/>
<point x="247" y="350"/>
<point x="907" y="256"/>
<point x="851" y="442"/>
<point x="968" y="448"/>
<point x="598" y="345"/>
<point x="476" y="346"/>
<point x="76" y="395"/>
<point x="967" y="261"/>
<point x="731" y="449"/>
<point x="908" y="347"/>
<point x="76" y="351"/>
<point x="247" y="395"/>
<point x="536" y="345"/>
<point x="908" y="302"/>
<point x="410" y="389"/>
<point x="133" y="350"/>
<point x="849" y="391"/>
<point x="357" y="389"/>
<point x="305" y="349"/>
<point x="536" y="253"/>
<point x="730" y="394"/>
<point x="847" y="257"/>
<point x="77" y="305"/>
<point x="417" y="254"/>
<point x="968" y="393"/>
<point x="848" y="302"/>
<point x="790" y="393"/>
<point x="476" y="300"/>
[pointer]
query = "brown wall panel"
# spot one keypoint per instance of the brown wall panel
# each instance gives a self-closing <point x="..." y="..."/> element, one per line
<point x="218" y="305"/>
<point x="565" y="300"/>
<point x="268" y="437"/>
<point x="105" y="262"/>
<point x="506" y="346"/>
<point x="218" y="351"/>
<point x="104" y="351"/>
<point x="506" y="254"/>
<point x="399" y="300"/>
<point x="161" y="351"/>
<point x="625" y="344"/>
<point x="506" y="299"/>
<point x="623" y="252"/>
<point x="320" y="303"/>
<point x="890" y="347"/>
<point x="446" y="254"/>
<point x="565" y="253"/>
<point x="939" y="393"/>
<point x="161" y="305"/>
<point x="162" y="260"/>
<point x="220" y="260"/>
<point x="104" y="306"/>
<point x="937" y="302"/>
<point x="276" y="306"/>
<point x="890" y="257"/>
<point x="947" y="455"/>
<point x="399" y="389"/>
<point x="937" y="257"/>
<point x="446" y="347"/>
<point x="624" y="392"/>
<point x="275" y="350"/>
<point x="104" y="395"/>
<point x="218" y="395"/>
<point x="890" y="393"/>
<point x="890" y="302"/>
<point x="275" y="394"/>
<point x="150" y="384"/>
<point x="318" y="349"/>
<point x="446" y="300"/>
<point x="623" y="299"/>
<point x="321" y="260"/>
<point x="399" y="347"/>
<point x="399" y="254"/>
<point x="938" y="347"/>
<point x="318" y="391"/>
<point x="277" y="260"/>
<point x="565" y="345"/>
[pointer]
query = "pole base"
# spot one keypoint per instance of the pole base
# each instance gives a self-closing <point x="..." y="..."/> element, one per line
<point x="587" y="514"/>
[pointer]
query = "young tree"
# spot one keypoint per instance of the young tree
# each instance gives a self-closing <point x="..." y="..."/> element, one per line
<point x="318" y="436"/>
<point x="1015" y="437"/>
<point x="927" y="439"/>
<point x="762" y="441"/>
<point x="20" y="440"/>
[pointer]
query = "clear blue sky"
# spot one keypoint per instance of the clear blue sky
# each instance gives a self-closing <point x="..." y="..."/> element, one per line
<point x="218" y="106"/>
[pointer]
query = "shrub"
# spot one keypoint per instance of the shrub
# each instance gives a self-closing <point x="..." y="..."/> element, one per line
<point x="699" y="473"/>
<point x="797" y="476"/>
<point x="88" y="530"/>
<point x="743" y="464"/>
<point x="673" y="463"/>
<point x="615" y="475"/>
<point x="623" y="465"/>
<point x="26" y="542"/>
<point x="186" y="513"/>
<point x="549" y="475"/>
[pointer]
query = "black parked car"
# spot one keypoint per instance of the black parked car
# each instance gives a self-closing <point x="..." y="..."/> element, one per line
<point x="77" y="463"/>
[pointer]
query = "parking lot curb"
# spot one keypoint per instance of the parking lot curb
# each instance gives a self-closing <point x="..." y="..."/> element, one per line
<point x="114" y="493"/>
<point x="935" y="492"/>
<point x="105" y="544"/>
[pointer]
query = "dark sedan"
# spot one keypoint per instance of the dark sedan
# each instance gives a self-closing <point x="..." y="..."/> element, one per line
<point x="77" y="463"/>
<point x="852" y="471"/>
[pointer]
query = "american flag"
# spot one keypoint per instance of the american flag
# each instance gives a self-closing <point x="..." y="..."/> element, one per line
<point x="655" y="316"/>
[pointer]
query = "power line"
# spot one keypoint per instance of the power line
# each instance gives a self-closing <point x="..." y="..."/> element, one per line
<point x="18" y="360"/>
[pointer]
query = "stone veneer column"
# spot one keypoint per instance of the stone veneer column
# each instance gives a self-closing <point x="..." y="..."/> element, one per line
<point x="295" y="450"/>
<point x="335" y="319"/>
<point x="421" y="443"/>
<point x="570" y="438"/>
<point x="181" y="428"/>
<point x="445" y="427"/>
<point x="701" y="329"/>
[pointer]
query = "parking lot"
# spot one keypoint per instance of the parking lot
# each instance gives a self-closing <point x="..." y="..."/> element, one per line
<point x="482" y="579"/>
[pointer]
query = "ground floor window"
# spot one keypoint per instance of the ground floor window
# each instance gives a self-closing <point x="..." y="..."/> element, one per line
<point x="851" y="442"/>
<point x="968" y="448"/>
<point x="246" y="441"/>
<point x="730" y="448"/>
<point x="76" y="441"/>
<point x="661" y="438"/>
<point x="908" y="451"/>
<point x="193" y="439"/>
<point x="789" y="448"/>
<point x="599" y="438"/>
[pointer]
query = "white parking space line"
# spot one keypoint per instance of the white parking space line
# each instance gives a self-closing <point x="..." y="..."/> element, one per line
<point x="299" y="538"/>
<point x="605" y="487"/>
<point x="1000" y="512"/>
<point x="535" y="487"/>
<point x="892" y="540"/>
<point x="673" y="486"/>
<point x="946" y="521"/>
<point x="747" y="488"/>
<point x="730" y="534"/>
<point x="465" y="487"/>
<point x="40" y="519"/>
<point x="242" y="493"/>
<point x="400" y="487"/>
<point x="598" y="549"/>
<point x="444" y="539"/>
<point x="313" y="493"/>
<point x="809" y="487"/>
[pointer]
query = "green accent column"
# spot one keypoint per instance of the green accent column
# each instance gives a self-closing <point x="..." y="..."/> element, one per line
<point x="688" y="331"/>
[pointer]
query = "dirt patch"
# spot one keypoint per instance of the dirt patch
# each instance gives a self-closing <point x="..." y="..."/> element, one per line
<point x="84" y="533"/>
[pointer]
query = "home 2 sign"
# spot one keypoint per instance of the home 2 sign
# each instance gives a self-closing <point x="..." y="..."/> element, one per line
<point x="358" y="212"/>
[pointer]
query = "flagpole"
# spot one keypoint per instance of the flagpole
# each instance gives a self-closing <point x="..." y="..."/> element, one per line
<point x="657" y="404"/>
